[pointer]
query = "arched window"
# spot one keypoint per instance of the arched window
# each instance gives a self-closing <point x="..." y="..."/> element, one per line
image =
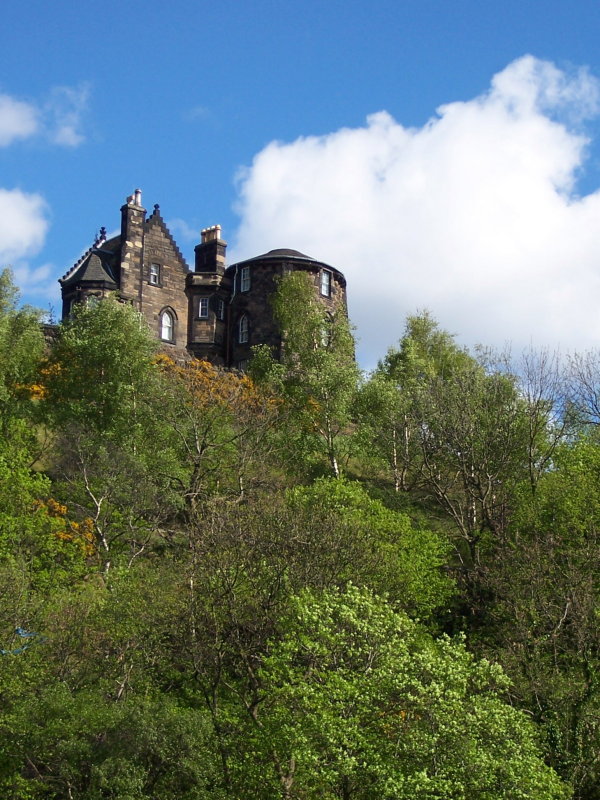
<point x="167" y="326"/>
<point x="243" y="329"/>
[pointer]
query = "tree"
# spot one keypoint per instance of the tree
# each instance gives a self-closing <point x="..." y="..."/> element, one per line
<point x="100" y="368"/>
<point x="542" y="615"/>
<point x="103" y="401"/>
<point x="358" y="702"/>
<point x="21" y="349"/>
<point x="465" y="434"/>
<point x="93" y="710"/>
<point x="318" y="374"/>
<point x="384" y="550"/>
<point x="218" y="425"/>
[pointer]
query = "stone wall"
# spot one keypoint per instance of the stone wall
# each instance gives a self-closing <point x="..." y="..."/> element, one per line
<point x="145" y="267"/>
<point x="256" y="305"/>
<point x="168" y="294"/>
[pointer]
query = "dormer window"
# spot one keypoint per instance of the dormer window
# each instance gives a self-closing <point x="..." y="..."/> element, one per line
<point x="154" y="276"/>
<point x="325" y="283"/>
<point x="245" y="279"/>
<point x="203" y="308"/>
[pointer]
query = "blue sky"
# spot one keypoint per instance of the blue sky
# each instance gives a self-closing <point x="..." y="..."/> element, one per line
<point x="259" y="116"/>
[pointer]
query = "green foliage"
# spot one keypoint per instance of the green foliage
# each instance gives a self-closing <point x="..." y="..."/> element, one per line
<point x="218" y="426"/>
<point x="100" y="368"/>
<point x="360" y="703"/>
<point x="452" y="429"/>
<point x="426" y="352"/>
<point x="83" y="746"/>
<point x="543" y="622"/>
<point x="201" y="630"/>
<point x="397" y="559"/>
<point x="111" y="459"/>
<point x="21" y="347"/>
<point x="317" y="375"/>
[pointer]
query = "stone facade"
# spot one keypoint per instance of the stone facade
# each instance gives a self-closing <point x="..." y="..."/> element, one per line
<point x="214" y="312"/>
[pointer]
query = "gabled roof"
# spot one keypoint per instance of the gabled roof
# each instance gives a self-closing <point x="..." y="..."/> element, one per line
<point x="155" y="219"/>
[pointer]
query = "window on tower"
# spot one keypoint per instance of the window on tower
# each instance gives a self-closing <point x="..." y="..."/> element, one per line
<point x="243" y="329"/>
<point x="245" y="279"/>
<point x="325" y="283"/>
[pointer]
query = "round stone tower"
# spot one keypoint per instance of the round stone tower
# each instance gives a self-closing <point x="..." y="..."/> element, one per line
<point x="254" y="281"/>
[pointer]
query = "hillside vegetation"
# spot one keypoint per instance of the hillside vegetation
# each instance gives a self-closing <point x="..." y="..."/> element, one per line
<point x="300" y="583"/>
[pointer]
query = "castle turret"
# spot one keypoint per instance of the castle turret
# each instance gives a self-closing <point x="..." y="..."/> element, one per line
<point x="215" y="312"/>
<point x="254" y="281"/>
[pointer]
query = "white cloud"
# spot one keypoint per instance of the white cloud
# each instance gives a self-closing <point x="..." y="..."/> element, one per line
<point x="23" y="228"/>
<point x="64" y="112"/>
<point x="18" y="120"/>
<point x="39" y="282"/>
<point x="472" y="216"/>
<point x="59" y="118"/>
<point x="24" y="216"/>
<point x="23" y="225"/>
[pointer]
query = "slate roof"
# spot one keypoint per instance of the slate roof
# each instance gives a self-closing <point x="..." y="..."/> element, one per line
<point x="285" y="254"/>
<point x="95" y="266"/>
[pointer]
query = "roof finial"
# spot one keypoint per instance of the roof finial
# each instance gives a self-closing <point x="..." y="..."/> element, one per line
<point x="100" y="237"/>
<point x="156" y="208"/>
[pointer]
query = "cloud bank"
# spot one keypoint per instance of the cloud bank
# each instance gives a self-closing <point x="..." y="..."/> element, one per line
<point x="473" y="216"/>
<point x="24" y="215"/>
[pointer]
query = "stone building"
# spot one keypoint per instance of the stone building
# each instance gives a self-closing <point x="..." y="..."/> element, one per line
<point x="214" y="312"/>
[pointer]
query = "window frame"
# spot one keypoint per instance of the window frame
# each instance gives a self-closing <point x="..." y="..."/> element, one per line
<point x="166" y="313"/>
<point x="220" y="309"/>
<point x="245" y="281"/>
<point x="203" y="308"/>
<point x="154" y="271"/>
<point x="243" y="330"/>
<point x="325" y="282"/>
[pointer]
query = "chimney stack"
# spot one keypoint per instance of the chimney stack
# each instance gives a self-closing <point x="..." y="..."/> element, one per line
<point x="133" y="216"/>
<point x="210" y="253"/>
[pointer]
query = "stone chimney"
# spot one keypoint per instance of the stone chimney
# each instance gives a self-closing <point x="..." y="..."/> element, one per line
<point x="210" y="253"/>
<point x="133" y="216"/>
